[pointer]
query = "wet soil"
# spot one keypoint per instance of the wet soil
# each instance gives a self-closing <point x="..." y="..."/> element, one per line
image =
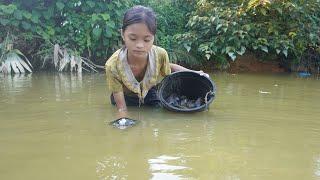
<point x="246" y="63"/>
<point x="250" y="63"/>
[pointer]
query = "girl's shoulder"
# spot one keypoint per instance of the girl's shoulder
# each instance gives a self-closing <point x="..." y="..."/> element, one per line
<point x="113" y="58"/>
<point x="159" y="49"/>
<point x="161" y="54"/>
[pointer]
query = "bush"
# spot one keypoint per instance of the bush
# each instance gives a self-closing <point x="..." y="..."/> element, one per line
<point x="91" y="28"/>
<point x="172" y="16"/>
<point x="221" y="30"/>
<point x="190" y="30"/>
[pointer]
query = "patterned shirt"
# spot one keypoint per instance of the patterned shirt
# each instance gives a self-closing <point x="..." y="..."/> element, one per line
<point x="121" y="78"/>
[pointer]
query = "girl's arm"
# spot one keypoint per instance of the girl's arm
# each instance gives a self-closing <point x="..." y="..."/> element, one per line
<point x="176" y="67"/>
<point x="121" y="104"/>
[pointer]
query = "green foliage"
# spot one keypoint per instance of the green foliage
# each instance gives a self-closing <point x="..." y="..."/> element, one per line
<point x="190" y="30"/>
<point x="219" y="29"/>
<point x="172" y="16"/>
<point x="88" y="27"/>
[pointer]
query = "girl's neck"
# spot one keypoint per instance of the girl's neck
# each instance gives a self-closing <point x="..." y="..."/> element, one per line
<point x="137" y="61"/>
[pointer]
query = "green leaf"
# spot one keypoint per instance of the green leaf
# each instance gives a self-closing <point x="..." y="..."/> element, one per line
<point x="50" y="31"/>
<point x="111" y="24"/>
<point x="17" y="14"/>
<point x="279" y="10"/>
<point x="232" y="55"/>
<point x="97" y="32"/>
<point x="213" y="18"/>
<point x="242" y="50"/>
<point x="247" y="27"/>
<point x="88" y="39"/>
<point x="91" y="3"/>
<point x="208" y="56"/>
<point x="285" y="52"/>
<point x="94" y="17"/>
<point x="224" y="29"/>
<point x="278" y="51"/>
<point x="111" y="7"/>
<point x="118" y="13"/>
<point x="218" y="27"/>
<point x="187" y="46"/>
<point x="118" y="4"/>
<point x="25" y="25"/>
<point x="263" y="41"/>
<point x="105" y="16"/>
<point x="292" y="34"/>
<point x="60" y="5"/>
<point x="27" y="15"/>
<point x="48" y="14"/>
<point x="264" y="48"/>
<point x="108" y="33"/>
<point x="15" y="23"/>
<point x="8" y="9"/>
<point x="35" y="17"/>
<point x="231" y="38"/>
<point x="263" y="11"/>
<point x="228" y="49"/>
<point x="4" y="22"/>
<point x="106" y="42"/>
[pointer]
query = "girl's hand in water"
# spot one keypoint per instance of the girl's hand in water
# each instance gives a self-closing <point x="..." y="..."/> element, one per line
<point x="122" y="113"/>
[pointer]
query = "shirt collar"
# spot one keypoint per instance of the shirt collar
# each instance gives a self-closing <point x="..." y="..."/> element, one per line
<point x="142" y="87"/>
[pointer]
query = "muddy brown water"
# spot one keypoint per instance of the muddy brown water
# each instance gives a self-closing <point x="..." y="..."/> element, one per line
<point x="260" y="126"/>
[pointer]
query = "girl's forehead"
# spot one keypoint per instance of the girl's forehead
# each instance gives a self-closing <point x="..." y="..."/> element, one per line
<point x="138" y="29"/>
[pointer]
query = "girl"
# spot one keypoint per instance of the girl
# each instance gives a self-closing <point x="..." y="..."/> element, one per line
<point x="134" y="70"/>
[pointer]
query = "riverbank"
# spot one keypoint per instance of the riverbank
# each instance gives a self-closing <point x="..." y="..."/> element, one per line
<point x="251" y="63"/>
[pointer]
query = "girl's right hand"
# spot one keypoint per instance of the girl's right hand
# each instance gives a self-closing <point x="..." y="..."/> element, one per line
<point x="121" y="104"/>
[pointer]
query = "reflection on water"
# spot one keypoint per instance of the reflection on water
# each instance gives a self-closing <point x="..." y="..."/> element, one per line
<point x="260" y="126"/>
<point x="162" y="167"/>
<point x="67" y="84"/>
<point x="111" y="168"/>
<point x="64" y="83"/>
<point x="12" y="85"/>
<point x="317" y="166"/>
<point x="15" y="83"/>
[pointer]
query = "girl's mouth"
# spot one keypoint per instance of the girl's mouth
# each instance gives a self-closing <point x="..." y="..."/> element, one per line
<point x="138" y="52"/>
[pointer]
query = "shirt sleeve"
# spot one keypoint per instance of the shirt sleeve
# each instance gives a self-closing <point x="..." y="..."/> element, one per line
<point x="165" y="64"/>
<point x="114" y="84"/>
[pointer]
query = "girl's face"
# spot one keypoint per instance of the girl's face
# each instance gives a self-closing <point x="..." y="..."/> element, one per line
<point x="138" y="39"/>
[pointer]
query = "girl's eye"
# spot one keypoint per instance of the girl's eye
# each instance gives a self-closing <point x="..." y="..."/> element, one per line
<point x="132" y="39"/>
<point x="147" y="40"/>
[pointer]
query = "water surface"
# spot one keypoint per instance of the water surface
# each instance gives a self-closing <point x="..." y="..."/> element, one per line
<point x="260" y="126"/>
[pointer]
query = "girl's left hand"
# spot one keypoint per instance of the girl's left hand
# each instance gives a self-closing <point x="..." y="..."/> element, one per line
<point x="203" y="73"/>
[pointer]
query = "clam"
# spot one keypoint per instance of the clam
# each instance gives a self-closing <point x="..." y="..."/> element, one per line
<point x="183" y="102"/>
<point x="123" y="123"/>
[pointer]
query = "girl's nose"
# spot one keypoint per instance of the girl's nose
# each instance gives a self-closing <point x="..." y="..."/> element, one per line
<point x="140" y="45"/>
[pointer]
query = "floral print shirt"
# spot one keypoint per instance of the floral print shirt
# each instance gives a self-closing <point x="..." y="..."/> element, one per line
<point x="121" y="78"/>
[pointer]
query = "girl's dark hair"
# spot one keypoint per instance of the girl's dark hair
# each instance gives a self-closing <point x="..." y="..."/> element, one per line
<point x="140" y="14"/>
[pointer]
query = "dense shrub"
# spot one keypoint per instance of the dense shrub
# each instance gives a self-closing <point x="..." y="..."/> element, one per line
<point x="90" y="28"/>
<point x="172" y="16"/>
<point x="215" y="30"/>
<point x="221" y="30"/>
